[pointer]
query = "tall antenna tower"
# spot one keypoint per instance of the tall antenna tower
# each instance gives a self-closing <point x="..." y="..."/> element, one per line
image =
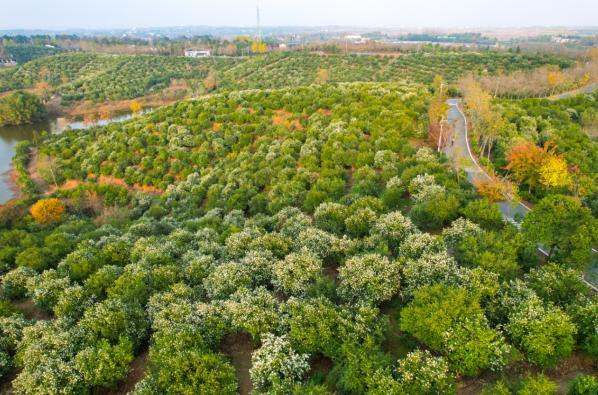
<point x="259" y="29"/>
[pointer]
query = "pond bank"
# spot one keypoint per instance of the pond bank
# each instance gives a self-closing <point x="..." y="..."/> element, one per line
<point x="10" y="136"/>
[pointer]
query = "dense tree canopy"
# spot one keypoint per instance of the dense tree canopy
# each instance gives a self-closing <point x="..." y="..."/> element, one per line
<point x="19" y="108"/>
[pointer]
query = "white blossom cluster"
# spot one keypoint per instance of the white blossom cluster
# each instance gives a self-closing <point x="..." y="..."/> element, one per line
<point x="238" y="243"/>
<point x="384" y="158"/>
<point x="368" y="279"/>
<point x="393" y="227"/>
<point x="316" y="241"/>
<point x="11" y="331"/>
<point x="418" y="244"/>
<point x="394" y="183"/>
<point x="423" y="187"/>
<point x="226" y="278"/>
<point x="458" y="229"/>
<point x="275" y="366"/>
<point x="423" y="373"/>
<point x="259" y="265"/>
<point x="439" y="268"/>
<point x="296" y="272"/>
<point x="45" y="288"/>
<point x="425" y="155"/>
<point x="14" y="283"/>
<point x="254" y="311"/>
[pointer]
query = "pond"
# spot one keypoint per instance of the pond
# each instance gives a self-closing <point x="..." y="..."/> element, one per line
<point x="11" y="135"/>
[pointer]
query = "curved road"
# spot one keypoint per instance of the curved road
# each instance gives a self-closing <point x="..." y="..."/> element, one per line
<point x="459" y="153"/>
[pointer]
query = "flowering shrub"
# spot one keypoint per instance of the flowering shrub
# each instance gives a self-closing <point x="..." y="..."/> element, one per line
<point x="423" y="187"/>
<point x="46" y="288"/>
<point x="317" y="242"/>
<point x="393" y="228"/>
<point x="331" y="217"/>
<point x="226" y="279"/>
<point x="255" y="311"/>
<point x="275" y="366"/>
<point x="545" y="334"/>
<point x="458" y="229"/>
<point x="369" y="279"/>
<point x="14" y="283"/>
<point x="421" y="373"/>
<point x="360" y="222"/>
<point x="472" y="346"/>
<point x="418" y="244"/>
<point x="429" y="269"/>
<point x="104" y="364"/>
<point x="297" y="272"/>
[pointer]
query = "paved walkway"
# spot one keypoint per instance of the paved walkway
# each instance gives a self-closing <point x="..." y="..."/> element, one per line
<point x="459" y="152"/>
<point x="586" y="89"/>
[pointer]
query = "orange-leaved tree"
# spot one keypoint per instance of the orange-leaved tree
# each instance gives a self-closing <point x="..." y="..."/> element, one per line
<point x="496" y="189"/>
<point x="524" y="161"/>
<point x="535" y="165"/>
<point x="46" y="211"/>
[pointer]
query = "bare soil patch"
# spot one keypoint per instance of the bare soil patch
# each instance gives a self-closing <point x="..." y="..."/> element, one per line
<point x="6" y="382"/>
<point x="561" y="374"/>
<point x="136" y="373"/>
<point x="239" y="347"/>
<point x="31" y="311"/>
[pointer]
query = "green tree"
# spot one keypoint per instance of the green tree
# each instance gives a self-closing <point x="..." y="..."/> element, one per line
<point x="103" y="364"/>
<point x="565" y="228"/>
<point x="21" y="107"/>
<point x="545" y="334"/>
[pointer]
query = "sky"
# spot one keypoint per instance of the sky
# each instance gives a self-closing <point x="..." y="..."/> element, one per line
<point x="60" y="14"/>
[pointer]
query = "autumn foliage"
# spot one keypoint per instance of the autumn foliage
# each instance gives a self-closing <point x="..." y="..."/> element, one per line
<point x="322" y="77"/>
<point x="535" y="165"/>
<point x="46" y="211"/>
<point x="136" y="107"/>
<point x="495" y="190"/>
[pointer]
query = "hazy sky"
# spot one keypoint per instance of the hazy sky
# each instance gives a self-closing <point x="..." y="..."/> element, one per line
<point x="56" y="14"/>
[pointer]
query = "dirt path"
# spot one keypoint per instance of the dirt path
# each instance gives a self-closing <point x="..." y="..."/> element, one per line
<point x="31" y="311"/>
<point x="136" y="373"/>
<point x="239" y="346"/>
<point x="562" y="374"/>
<point x="33" y="168"/>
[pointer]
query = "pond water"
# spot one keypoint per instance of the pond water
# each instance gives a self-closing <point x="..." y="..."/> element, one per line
<point x="11" y="135"/>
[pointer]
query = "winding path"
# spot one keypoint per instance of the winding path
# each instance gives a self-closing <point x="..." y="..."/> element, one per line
<point x="458" y="150"/>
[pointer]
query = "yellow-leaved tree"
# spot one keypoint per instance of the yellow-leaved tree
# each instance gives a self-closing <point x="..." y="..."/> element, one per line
<point x="47" y="211"/>
<point x="554" y="172"/>
<point x="258" y="47"/>
<point x="322" y="77"/>
<point x="135" y="107"/>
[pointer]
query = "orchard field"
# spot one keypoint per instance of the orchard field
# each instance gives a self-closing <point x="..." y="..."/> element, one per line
<point x="310" y="227"/>
<point x="98" y="78"/>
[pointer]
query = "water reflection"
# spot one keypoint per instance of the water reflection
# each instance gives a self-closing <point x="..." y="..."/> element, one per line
<point x="11" y="135"/>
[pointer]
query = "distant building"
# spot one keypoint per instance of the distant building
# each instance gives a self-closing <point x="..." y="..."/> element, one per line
<point x="356" y="38"/>
<point x="198" y="53"/>
<point x="7" y="63"/>
<point x="561" y="39"/>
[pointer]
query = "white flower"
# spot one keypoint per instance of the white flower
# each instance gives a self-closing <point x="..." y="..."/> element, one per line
<point x="276" y="366"/>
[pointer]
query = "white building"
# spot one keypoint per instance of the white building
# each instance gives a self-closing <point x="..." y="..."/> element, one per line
<point x="197" y="53"/>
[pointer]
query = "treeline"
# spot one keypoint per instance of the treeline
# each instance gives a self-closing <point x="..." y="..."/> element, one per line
<point x="543" y="81"/>
<point x="97" y="78"/>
